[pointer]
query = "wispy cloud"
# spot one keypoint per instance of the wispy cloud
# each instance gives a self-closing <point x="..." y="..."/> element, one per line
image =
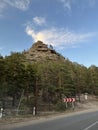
<point x="58" y="37"/>
<point x="68" y="4"/>
<point x="2" y="7"/>
<point x="39" y="20"/>
<point x="19" y="4"/>
<point x="36" y="22"/>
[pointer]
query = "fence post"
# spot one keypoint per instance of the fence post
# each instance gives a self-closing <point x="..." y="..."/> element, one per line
<point x="1" y="113"/>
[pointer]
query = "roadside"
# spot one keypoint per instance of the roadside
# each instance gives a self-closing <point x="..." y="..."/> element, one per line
<point x="7" y="124"/>
<point x="83" y="107"/>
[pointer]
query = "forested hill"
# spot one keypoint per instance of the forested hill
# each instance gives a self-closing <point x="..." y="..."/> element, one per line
<point x="43" y="75"/>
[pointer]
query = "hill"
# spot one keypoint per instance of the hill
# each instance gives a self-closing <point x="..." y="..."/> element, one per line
<point x="41" y="52"/>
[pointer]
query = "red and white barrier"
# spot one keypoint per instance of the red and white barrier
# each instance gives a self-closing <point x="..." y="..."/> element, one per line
<point x="69" y="99"/>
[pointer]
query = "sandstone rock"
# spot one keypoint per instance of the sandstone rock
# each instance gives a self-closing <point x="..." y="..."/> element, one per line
<point x="41" y="52"/>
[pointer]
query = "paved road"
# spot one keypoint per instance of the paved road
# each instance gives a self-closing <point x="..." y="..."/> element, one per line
<point x="85" y="121"/>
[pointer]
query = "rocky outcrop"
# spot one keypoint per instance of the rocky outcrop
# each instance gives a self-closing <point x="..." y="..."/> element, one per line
<point x="41" y="52"/>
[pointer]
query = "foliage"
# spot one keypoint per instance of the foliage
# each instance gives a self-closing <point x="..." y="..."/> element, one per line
<point x="60" y="106"/>
<point x="51" y="80"/>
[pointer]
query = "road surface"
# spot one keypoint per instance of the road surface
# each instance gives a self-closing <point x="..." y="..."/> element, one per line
<point x="84" y="121"/>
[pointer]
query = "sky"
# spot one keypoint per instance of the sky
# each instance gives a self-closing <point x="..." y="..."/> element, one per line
<point x="70" y="26"/>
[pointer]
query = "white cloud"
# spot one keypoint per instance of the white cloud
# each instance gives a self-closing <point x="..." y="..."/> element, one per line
<point x="68" y="4"/>
<point x="58" y="37"/>
<point x="39" y="20"/>
<point x="19" y="4"/>
<point x="2" y="7"/>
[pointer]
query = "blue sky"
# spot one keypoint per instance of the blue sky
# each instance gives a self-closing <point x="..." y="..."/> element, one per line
<point x="71" y="26"/>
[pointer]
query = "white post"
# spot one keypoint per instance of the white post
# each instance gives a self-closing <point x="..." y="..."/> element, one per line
<point x="34" y="111"/>
<point x="1" y="113"/>
<point x="73" y="106"/>
<point x="86" y="96"/>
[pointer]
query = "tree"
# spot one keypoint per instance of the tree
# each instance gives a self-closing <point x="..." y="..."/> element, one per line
<point x="93" y="78"/>
<point x="3" y="85"/>
<point x="14" y="70"/>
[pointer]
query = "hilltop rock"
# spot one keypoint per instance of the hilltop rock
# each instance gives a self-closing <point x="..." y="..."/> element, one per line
<point x="41" y="52"/>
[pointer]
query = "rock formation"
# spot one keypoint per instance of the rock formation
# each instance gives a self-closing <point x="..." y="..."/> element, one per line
<point x="41" y="52"/>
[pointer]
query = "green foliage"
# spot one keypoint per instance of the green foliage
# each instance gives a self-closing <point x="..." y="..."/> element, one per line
<point x="60" y="106"/>
<point x="51" y="80"/>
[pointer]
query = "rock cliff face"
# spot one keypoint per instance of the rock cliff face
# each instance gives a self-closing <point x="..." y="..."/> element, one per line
<point x="41" y="52"/>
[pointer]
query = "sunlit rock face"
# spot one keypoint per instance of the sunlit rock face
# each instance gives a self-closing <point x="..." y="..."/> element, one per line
<point x="41" y="52"/>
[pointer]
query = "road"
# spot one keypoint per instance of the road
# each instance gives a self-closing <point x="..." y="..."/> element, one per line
<point x="84" y="121"/>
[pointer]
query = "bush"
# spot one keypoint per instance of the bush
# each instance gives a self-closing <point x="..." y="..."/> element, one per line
<point x="60" y="106"/>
